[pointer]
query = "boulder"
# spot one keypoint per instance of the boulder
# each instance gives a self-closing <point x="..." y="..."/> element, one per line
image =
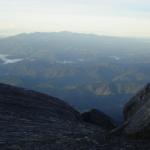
<point x="97" y="117"/>
<point x="137" y="114"/>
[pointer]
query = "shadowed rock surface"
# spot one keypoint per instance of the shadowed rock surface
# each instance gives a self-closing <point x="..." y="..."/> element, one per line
<point x="137" y="102"/>
<point x="137" y="114"/>
<point x="98" y="118"/>
<point x="33" y="121"/>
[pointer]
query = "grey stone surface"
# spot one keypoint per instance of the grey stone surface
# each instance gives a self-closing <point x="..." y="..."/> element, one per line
<point x="137" y="114"/>
<point x="33" y="121"/>
<point x="136" y="102"/>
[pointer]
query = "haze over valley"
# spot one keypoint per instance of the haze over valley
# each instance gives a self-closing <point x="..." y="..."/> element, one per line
<point x="86" y="70"/>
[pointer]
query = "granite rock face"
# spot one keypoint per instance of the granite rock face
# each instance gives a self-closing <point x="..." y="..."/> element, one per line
<point x="98" y="118"/>
<point x="34" y="121"/>
<point x="30" y="120"/>
<point x="137" y="114"/>
<point x="137" y="102"/>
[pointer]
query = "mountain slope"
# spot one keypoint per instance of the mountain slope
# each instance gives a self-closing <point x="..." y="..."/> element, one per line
<point x="137" y="114"/>
<point x="30" y="120"/>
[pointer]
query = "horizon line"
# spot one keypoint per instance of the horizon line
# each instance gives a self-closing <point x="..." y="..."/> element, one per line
<point x="5" y="35"/>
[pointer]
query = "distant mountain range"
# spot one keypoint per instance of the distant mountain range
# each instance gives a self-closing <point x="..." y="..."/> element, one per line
<point x="86" y="70"/>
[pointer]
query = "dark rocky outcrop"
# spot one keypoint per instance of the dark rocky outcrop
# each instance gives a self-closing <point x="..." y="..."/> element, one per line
<point x="30" y="120"/>
<point x="23" y="103"/>
<point x="137" y="102"/>
<point x="137" y="114"/>
<point x="34" y="121"/>
<point x="98" y="118"/>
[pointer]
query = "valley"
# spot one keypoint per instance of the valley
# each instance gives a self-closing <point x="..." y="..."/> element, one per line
<point x="87" y="71"/>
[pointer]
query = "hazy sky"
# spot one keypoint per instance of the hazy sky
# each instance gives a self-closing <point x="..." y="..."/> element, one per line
<point x="106" y="17"/>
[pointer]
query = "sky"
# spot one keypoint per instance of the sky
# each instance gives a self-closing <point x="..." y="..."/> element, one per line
<point x="129" y="18"/>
